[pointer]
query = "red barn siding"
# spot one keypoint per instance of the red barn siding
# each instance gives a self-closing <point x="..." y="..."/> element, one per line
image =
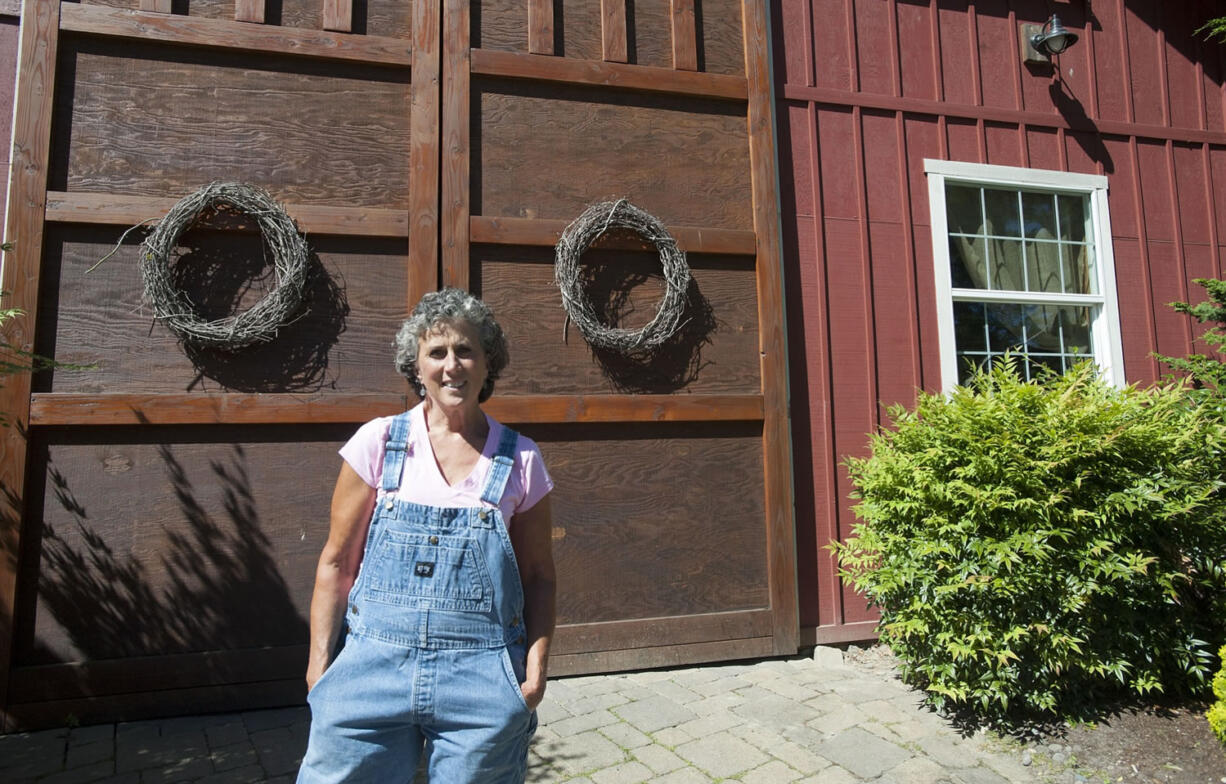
<point x="867" y="90"/>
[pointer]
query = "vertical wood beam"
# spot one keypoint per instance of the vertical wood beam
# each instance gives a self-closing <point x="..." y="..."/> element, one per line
<point x="249" y="11"/>
<point x="1147" y="277"/>
<point x="685" y="35"/>
<point x="613" y="31"/>
<point x="934" y="35"/>
<point x="455" y="140"/>
<point x="338" y="15"/>
<point x="27" y="199"/>
<point x="540" y="26"/>
<point x="424" y="98"/>
<point x="776" y="427"/>
<point x="156" y="6"/>
<point x="822" y="419"/>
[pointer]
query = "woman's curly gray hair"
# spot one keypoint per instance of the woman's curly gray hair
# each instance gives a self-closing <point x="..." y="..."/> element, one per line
<point x="450" y="306"/>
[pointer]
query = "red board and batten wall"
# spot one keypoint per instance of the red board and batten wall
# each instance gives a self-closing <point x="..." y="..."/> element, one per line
<point x="866" y="90"/>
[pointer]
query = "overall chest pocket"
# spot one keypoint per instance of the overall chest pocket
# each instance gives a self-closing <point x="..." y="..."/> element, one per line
<point x="431" y="572"/>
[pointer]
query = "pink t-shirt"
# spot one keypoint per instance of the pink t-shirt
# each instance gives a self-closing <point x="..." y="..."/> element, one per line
<point x="422" y="482"/>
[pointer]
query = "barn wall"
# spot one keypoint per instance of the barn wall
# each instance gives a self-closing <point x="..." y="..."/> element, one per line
<point x="866" y="89"/>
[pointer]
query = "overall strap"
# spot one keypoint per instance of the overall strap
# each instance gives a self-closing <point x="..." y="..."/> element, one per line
<point x="394" y="451"/>
<point x="500" y="467"/>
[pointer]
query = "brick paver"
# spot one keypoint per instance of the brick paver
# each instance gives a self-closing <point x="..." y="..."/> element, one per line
<point x="795" y="721"/>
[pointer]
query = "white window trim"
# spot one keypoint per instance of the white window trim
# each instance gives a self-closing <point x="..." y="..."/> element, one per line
<point x="1105" y="331"/>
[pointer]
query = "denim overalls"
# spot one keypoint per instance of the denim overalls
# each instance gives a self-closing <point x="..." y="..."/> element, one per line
<point x="435" y="648"/>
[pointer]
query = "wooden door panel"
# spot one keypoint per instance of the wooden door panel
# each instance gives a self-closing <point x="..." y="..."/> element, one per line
<point x="716" y="352"/>
<point x="549" y="150"/>
<point x="635" y="501"/>
<point x="392" y="18"/>
<point x="355" y="301"/>
<point x="161" y="541"/>
<point x="155" y="120"/>
<point x="502" y="25"/>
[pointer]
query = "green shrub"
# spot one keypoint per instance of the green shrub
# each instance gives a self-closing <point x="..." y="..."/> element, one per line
<point x="1033" y="545"/>
<point x="1205" y="370"/>
<point x="1217" y="711"/>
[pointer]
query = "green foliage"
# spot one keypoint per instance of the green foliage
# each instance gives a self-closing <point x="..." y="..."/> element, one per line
<point x="1207" y="371"/>
<point x="1217" y="711"/>
<point x="1033" y="546"/>
<point x="1214" y="29"/>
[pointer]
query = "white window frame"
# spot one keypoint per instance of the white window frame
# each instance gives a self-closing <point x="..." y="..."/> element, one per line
<point x="1105" y="329"/>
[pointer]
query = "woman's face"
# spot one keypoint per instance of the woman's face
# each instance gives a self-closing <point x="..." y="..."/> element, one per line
<point x="451" y="364"/>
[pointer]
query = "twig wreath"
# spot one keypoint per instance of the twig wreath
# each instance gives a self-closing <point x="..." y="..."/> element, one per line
<point x="579" y="236"/>
<point x="260" y="322"/>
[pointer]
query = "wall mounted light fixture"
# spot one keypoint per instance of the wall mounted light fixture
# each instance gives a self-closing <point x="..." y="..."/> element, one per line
<point x="1040" y="42"/>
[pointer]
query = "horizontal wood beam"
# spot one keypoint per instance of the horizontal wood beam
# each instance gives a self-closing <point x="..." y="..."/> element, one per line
<point x="155" y="673"/>
<point x="837" y="634"/>
<point x="55" y="409"/>
<point x="671" y="630"/>
<point x="1031" y="119"/>
<point x="10" y="7"/>
<point x="564" y="409"/>
<point x="226" y="34"/>
<point x="659" y="656"/>
<point x="534" y="231"/>
<point x="641" y="78"/>
<point x="117" y="408"/>
<point x="115" y="210"/>
<point x="156" y="704"/>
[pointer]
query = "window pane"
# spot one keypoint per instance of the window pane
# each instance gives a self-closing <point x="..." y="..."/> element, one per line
<point x="1042" y="328"/>
<point x="1073" y="211"/>
<point x="969" y="332"/>
<point x="1079" y="274"/>
<point x="968" y="262"/>
<point x="1043" y="271"/>
<point x="1004" y="214"/>
<point x="967" y="363"/>
<point x="1039" y="214"/>
<point x="1005" y="326"/>
<point x="1037" y="365"/>
<point x="1005" y="268"/>
<point x="963" y="209"/>
<point x="1075" y="326"/>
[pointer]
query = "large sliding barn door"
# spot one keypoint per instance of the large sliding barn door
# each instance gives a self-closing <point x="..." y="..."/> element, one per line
<point x="163" y="510"/>
<point x="674" y="531"/>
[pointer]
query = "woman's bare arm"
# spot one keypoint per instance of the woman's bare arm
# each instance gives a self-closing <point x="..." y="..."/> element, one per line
<point x="532" y="538"/>
<point x="352" y="503"/>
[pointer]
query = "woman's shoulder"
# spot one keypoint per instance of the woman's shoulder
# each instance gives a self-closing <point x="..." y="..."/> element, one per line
<point x="374" y="430"/>
<point x="525" y="448"/>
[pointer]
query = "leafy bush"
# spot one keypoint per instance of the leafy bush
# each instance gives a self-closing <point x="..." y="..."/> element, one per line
<point x="1206" y="370"/>
<point x="1217" y="711"/>
<point x="1033" y="545"/>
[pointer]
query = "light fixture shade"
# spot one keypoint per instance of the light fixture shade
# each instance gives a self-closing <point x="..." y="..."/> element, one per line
<point x="1055" y="37"/>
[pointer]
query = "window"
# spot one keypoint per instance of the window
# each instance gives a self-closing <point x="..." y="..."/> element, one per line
<point x="1023" y="263"/>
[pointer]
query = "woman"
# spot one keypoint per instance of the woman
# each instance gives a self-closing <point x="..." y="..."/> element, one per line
<point x="439" y="562"/>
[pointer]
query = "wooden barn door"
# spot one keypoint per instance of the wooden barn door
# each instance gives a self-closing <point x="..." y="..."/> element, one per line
<point x="163" y="510"/>
<point x="673" y="515"/>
